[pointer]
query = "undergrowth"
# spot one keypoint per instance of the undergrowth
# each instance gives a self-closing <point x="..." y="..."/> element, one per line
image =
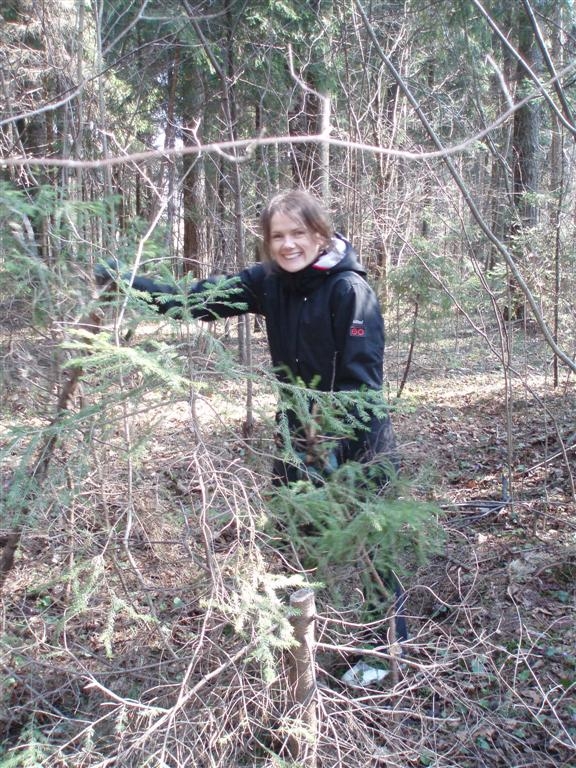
<point x="145" y="619"/>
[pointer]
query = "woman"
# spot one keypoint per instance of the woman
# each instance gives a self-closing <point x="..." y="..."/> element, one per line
<point x="325" y="331"/>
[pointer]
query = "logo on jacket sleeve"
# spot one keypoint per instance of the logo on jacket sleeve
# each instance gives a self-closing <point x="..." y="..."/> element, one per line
<point x="357" y="328"/>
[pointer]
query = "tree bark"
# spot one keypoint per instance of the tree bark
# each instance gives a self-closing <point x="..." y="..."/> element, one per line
<point x="302" y="680"/>
<point x="525" y="171"/>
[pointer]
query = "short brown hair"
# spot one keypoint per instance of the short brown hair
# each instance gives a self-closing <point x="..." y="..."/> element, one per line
<point x="300" y="205"/>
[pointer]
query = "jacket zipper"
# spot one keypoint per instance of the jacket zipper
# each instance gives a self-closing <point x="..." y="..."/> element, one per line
<point x="298" y="324"/>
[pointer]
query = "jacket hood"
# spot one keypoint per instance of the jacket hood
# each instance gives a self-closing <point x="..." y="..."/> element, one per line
<point x="339" y="257"/>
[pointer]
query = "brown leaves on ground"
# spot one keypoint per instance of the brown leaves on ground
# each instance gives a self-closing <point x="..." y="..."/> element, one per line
<point x="504" y="589"/>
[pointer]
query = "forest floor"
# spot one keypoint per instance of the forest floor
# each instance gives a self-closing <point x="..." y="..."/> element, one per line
<point x="486" y="679"/>
<point x="505" y="583"/>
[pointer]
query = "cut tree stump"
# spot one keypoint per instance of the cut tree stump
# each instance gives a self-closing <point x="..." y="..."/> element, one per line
<point x="302" y="742"/>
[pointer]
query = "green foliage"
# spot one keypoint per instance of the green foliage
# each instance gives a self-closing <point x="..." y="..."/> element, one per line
<point x="347" y="520"/>
<point x="414" y="280"/>
<point x="85" y="578"/>
<point x="323" y="418"/>
<point x="42" y="250"/>
<point x="13" y="202"/>
<point x="34" y="749"/>
<point x="22" y="487"/>
<point x="22" y="273"/>
<point x="160" y="363"/>
<point x="255" y="608"/>
<point x="118" y="608"/>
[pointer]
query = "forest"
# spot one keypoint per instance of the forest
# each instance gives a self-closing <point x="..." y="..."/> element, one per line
<point x="148" y="567"/>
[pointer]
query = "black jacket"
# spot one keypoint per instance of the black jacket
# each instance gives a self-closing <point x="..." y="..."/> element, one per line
<point x="324" y="326"/>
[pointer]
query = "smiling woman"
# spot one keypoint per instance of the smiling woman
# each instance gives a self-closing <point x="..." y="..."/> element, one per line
<point x="325" y="332"/>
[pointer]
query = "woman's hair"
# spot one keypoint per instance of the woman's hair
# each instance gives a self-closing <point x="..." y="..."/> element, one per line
<point x="299" y="205"/>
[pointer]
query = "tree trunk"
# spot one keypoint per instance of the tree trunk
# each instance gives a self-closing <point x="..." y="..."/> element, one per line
<point x="525" y="166"/>
<point x="193" y="196"/>
<point x="302" y="680"/>
<point x="311" y="161"/>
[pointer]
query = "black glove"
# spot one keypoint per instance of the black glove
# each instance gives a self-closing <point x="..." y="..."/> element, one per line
<point x="111" y="274"/>
<point x="108" y="272"/>
<point x="317" y="469"/>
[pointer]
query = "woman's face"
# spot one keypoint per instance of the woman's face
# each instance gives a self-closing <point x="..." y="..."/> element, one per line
<point x="293" y="245"/>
